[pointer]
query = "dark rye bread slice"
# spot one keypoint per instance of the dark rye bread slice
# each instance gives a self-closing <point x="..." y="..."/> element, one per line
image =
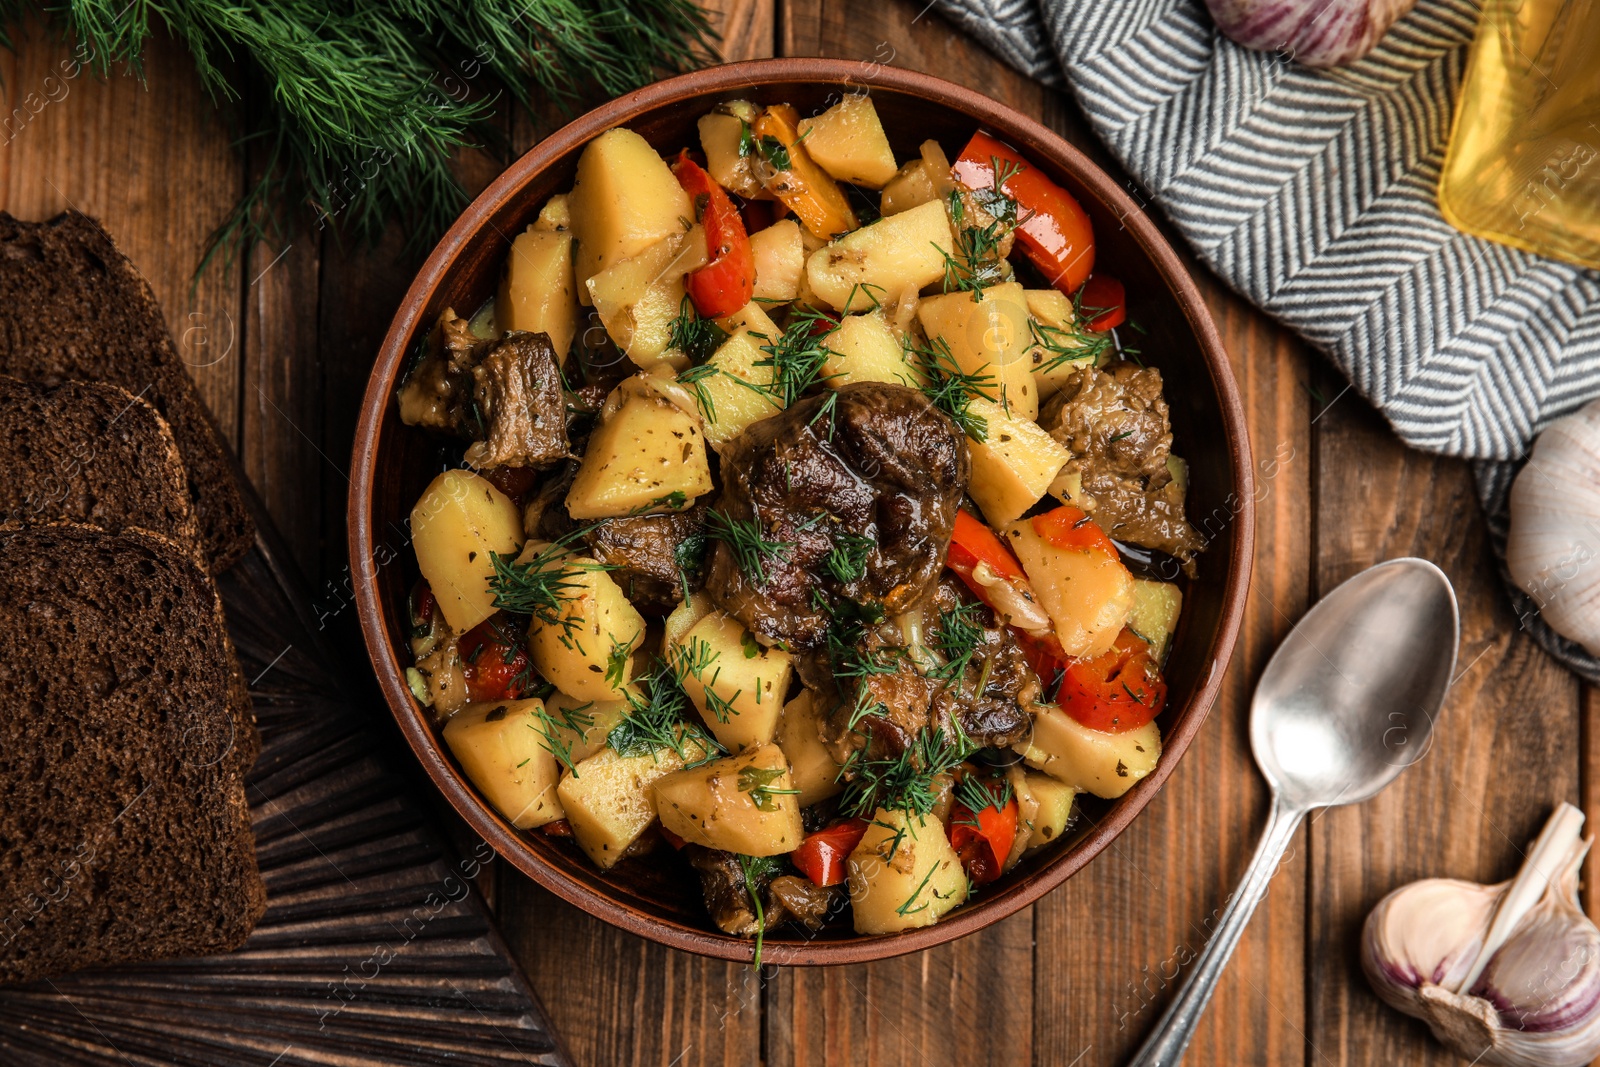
<point x="73" y="307"/>
<point x="92" y="453"/>
<point x="124" y="833"/>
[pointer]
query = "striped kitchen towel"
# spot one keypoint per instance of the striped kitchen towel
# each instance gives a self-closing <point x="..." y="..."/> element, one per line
<point x="1312" y="192"/>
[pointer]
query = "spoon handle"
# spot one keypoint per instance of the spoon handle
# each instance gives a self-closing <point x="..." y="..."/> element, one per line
<point x="1164" y="1047"/>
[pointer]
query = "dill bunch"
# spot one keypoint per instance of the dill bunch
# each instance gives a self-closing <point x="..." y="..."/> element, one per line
<point x="357" y="107"/>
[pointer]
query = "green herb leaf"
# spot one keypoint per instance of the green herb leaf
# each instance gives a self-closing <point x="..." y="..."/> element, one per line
<point x="749" y="544"/>
<point x="757" y="781"/>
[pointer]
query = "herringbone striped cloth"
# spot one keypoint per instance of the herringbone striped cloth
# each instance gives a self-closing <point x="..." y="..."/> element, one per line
<point x="1311" y="192"/>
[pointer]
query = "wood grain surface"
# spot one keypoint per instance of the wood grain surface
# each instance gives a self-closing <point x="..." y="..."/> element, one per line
<point x="281" y="346"/>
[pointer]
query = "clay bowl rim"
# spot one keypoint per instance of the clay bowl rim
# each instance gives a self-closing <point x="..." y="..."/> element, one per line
<point x="1032" y="138"/>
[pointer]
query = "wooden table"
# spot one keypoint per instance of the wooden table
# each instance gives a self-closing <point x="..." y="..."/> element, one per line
<point x="281" y="348"/>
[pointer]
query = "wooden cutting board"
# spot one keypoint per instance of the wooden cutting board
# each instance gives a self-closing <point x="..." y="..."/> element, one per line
<point x="375" y="951"/>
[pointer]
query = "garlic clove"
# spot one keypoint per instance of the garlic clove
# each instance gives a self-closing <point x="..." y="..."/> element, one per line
<point x="1317" y="33"/>
<point x="1426" y="933"/>
<point x="1553" y="546"/>
<point x="1506" y="974"/>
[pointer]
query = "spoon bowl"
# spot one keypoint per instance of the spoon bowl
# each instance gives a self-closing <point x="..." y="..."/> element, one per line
<point x="1349" y="699"/>
<point x="1346" y="703"/>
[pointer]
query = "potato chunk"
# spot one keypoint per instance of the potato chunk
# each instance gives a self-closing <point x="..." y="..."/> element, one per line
<point x="987" y="333"/>
<point x="501" y="747"/>
<point x="848" y="141"/>
<point x="1013" y="465"/>
<point x="1156" y="607"/>
<point x="457" y="524"/>
<point x="780" y="257"/>
<point x="639" y="299"/>
<point x="721" y="134"/>
<point x="646" y="449"/>
<point x="624" y="199"/>
<point x="864" y="349"/>
<point x="1053" y="809"/>
<point x="903" y="874"/>
<point x="744" y="804"/>
<point x="910" y="187"/>
<point x="537" y="293"/>
<point x="1088" y="593"/>
<point x="610" y="800"/>
<point x="554" y="217"/>
<point x="811" y="764"/>
<point x="587" y="651"/>
<point x="737" y="685"/>
<point x="896" y="253"/>
<point x="1094" y="761"/>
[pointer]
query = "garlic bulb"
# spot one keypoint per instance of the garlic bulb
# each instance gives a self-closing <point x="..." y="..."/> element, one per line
<point x="1553" y="551"/>
<point x="1318" y="33"/>
<point x="1503" y="974"/>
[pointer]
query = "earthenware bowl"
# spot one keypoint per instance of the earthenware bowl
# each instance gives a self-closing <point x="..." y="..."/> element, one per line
<point x="658" y="896"/>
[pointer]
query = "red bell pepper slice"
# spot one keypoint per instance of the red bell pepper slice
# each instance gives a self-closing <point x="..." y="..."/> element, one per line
<point x="494" y="663"/>
<point x="983" y="839"/>
<point x="1054" y="230"/>
<point x="972" y="543"/>
<point x="672" y="839"/>
<point x="1117" y="691"/>
<point x="725" y="284"/>
<point x="1068" y="527"/>
<point x="821" y="856"/>
<point x="1103" y="299"/>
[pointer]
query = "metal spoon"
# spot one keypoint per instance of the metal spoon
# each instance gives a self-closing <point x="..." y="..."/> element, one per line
<point x="1346" y="703"/>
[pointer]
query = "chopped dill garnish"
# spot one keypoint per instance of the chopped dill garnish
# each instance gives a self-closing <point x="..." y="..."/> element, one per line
<point x="904" y="782"/>
<point x="689" y="558"/>
<point x="749" y="545"/>
<point x="542" y="586"/>
<point x="1067" y="344"/>
<point x="757" y="781"/>
<point x="656" y="720"/>
<point x="797" y="356"/>
<point x="693" y="660"/>
<point x="906" y="908"/>
<point x="694" y="380"/>
<point x="617" y="662"/>
<point x="755" y="870"/>
<point x="576" y="720"/>
<point x="974" y="792"/>
<point x="976" y="262"/>
<point x="847" y="560"/>
<point x="950" y="388"/>
<point x="960" y="631"/>
<point x="694" y="336"/>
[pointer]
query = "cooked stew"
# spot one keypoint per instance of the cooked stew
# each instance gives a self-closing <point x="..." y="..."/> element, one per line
<point x="813" y="532"/>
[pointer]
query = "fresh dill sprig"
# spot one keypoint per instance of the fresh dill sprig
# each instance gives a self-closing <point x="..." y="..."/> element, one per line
<point x="694" y="380"/>
<point x="976" y="262"/>
<point x="694" y="336"/>
<point x="797" y="356"/>
<point x="847" y="560"/>
<point x="904" y="782"/>
<point x="657" y="719"/>
<point x="974" y="792"/>
<point x="693" y="660"/>
<point x="617" y="662"/>
<point x="748" y="543"/>
<point x="576" y="720"/>
<point x="363" y="105"/>
<point x="543" y="585"/>
<point x="1068" y="344"/>
<point x="756" y="870"/>
<point x="949" y="387"/>
<point x="689" y="558"/>
<point x="960" y="631"/>
<point x="905" y="908"/>
<point x="757" y="781"/>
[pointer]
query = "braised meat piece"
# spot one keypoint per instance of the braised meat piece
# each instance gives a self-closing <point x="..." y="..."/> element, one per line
<point x="438" y="393"/>
<point x="980" y="681"/>
<point x="506" y="395"/>
<point x="873" y="482"/>
<point x="1115" y="423"/>
<point x="648" y="550"/>
<point x="784" y="897"/>
<point x="517" y="388"/>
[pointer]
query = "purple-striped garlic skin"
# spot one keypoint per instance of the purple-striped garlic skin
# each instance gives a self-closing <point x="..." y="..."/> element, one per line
<point x="1317" y="33"/>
